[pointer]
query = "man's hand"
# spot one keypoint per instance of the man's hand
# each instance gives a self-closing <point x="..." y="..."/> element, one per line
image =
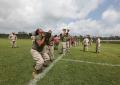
<point x="43" y="34"/>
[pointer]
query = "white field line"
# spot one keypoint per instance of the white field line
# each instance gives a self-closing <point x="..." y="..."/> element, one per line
<point x="111" y="40"/>
<point x="103" y="64"/>
<point x="42" y="75"/>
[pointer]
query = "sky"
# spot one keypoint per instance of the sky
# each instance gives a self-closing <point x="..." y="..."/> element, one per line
<point x="82" y="17"/>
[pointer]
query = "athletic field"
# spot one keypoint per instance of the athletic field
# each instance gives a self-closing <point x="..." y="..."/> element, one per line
<point x="75" y="68"/>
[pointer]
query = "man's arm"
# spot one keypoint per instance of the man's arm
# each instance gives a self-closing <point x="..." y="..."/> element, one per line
<point x="40" y="42"/>
<point x="15" y="37"/>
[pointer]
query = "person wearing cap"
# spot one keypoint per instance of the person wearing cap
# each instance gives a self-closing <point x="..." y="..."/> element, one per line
<point x="98" y="45"/>
<point x="50" y="45"/>
<point x="37" y="51"/>
<point x="68" y="39"/>
<point x="64" y="40"/>
<point x="56" y="41"/>
<point x="91" y="41"/>
<point x="13" y="39"/>
<point x="85" y="44"/>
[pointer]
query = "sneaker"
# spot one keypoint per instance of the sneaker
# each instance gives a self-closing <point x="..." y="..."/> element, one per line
<point x="36" y="72"/>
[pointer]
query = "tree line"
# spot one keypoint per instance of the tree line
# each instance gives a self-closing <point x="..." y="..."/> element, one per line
<point x="20" y="35"/>
<point x="24" y="35"/>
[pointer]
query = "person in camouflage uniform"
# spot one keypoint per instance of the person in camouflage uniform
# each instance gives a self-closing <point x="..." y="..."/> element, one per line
<point x="13" y="39"/>
<point x="56" y="41"/>
<point x="85" y="44"/>
<point x="98" y="45"/>
<point x="37" y="51"/>
<point x="68" y="39"/>
<point x="50" y="45"/>
<point x="64" y="40"/>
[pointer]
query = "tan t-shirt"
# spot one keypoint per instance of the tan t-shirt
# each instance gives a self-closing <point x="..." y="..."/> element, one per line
<point x="13" y="37"/>
<point x="86" y="41"/>
<point x="98" y="42"/>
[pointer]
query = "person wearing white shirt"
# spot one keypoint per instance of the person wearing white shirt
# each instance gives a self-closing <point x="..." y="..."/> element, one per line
<point x="85" y="44"/>
<point x="13" y="39"/>
<point x="98" y="45"/>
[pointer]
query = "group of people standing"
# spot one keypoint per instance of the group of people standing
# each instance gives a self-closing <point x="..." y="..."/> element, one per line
<point x="87" y="42"/>
<point x="44" y="44"/>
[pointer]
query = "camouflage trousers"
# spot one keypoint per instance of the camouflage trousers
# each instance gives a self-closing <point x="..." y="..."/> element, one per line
<point x="13" y="44"/>
<point x="45" y="53"/>
<point x="85" y="48"/>
<point x="64" y="47"/>
<point x="41" y="58"/>
<point x="51" y="52"/>
<point x="37" y="56"/>
<point x="97" y="49"/>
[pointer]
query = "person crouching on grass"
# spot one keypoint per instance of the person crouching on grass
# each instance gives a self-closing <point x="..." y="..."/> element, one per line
<point x="38" y="52"/>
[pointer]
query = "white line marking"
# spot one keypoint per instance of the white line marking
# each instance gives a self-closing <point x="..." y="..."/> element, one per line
<point x="42" y="75"/>
<point x="103" y="64"/>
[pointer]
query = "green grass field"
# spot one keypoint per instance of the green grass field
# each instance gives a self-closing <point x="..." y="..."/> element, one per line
<point x="16" y="66"/>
